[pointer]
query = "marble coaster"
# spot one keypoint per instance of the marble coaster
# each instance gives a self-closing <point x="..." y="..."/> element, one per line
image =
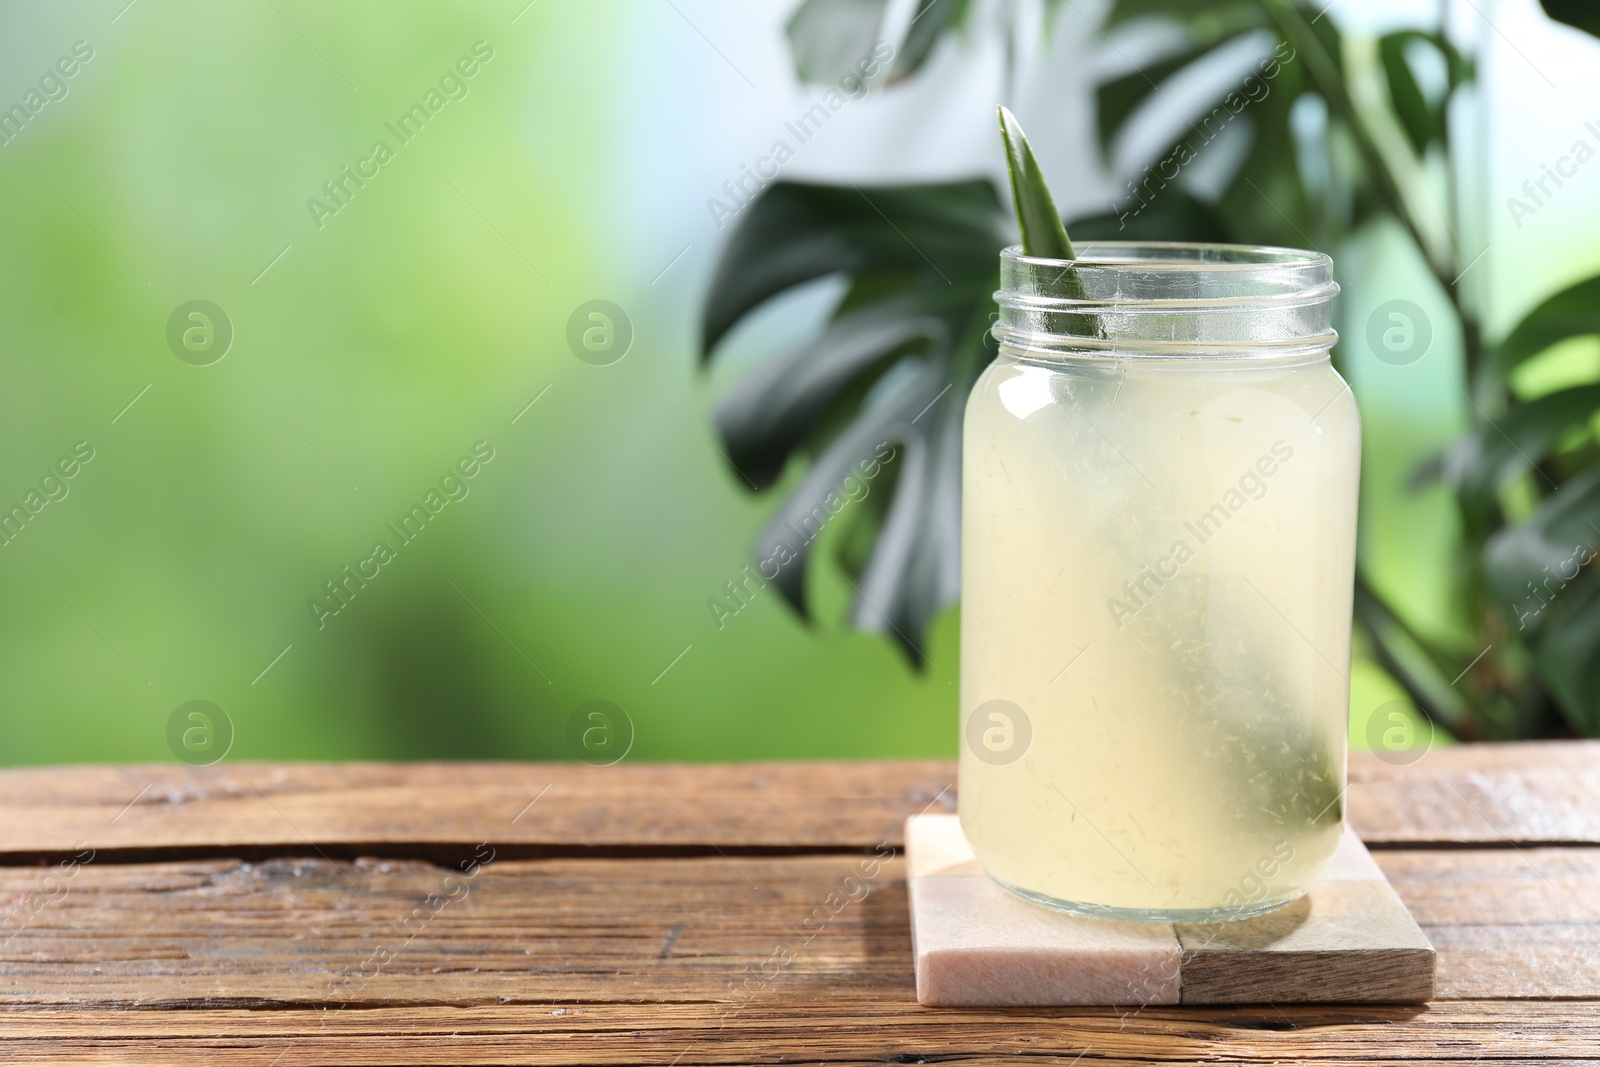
<point x="1349" y="939"/>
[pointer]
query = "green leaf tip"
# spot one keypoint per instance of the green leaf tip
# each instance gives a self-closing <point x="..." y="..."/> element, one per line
<point x="1043" y="235"/>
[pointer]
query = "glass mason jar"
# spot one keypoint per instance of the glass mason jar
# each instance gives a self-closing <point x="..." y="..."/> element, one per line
<point x="1158" y="554"/>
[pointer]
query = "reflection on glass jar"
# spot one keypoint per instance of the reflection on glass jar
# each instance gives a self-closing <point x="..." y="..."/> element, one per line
<point x="1159" y="521"/>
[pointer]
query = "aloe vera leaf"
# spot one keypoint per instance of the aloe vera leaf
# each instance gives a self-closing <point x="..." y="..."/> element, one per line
<point x="1043" y="234"/>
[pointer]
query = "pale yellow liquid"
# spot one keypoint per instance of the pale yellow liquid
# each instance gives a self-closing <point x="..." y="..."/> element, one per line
<point x="1190" y="761"/>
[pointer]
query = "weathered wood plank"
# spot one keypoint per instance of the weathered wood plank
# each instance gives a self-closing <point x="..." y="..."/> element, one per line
<point x="290" y="931"/>
<point x="579" y="958"/>
<point x="1488" y="887"/>
<point x="1544" y="792"/>
<point x="1490" y="794"/>
<point x="847" y="1028"/>
<point x="706" y="930"/>
<point x="1506" y="922"/>
<point x="402" y="808"/>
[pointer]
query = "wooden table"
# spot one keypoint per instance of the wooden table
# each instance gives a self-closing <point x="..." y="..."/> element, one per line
<point x="533" y="913"/>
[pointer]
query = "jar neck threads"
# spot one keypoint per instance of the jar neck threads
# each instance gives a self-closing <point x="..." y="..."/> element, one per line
<point x="1157" y="300"/>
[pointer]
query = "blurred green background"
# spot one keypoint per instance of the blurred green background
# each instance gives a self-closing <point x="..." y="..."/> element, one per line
<point x="372" y="352"/>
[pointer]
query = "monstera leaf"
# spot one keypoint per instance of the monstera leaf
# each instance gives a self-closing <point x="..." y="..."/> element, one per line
<point x="1540" y="568"/>
<point x="890" y="371"/>
<point x="1583" y="14"/>
<point x="1546" y="435"/>
<point x="1540" y="572"/>
<point x="1537" y="566"/>
<point x="1229" y="92"/>
<point x="888" y="377"/>
<point x="1259" y="124"/>
<point x="1222" y="103"/>
<point x="933" y="18"/>
<point x="1490" y="457"/>
<point x="1224" y="95"/>
<point x="1380" y="120"/>
<point x="827" y="38"/>
<point x="1573" y="312"/>
<point x="1423" y="119"/>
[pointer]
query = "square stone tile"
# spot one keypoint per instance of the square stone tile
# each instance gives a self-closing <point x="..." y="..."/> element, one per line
<point x="976" y="945"/>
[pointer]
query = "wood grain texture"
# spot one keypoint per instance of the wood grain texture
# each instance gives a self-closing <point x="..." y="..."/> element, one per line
<point x="844" y="1028"/>
<point x="1545" y="792"/>
<point x="305" y="932"/>
<point x="399" y="808"/>
<point x="1530" y="793"/>
<point x="310" y="932"/>
<point x="632" y="915"/>
<point x="1506" y="922"/>
<point x="1342" y="941"/>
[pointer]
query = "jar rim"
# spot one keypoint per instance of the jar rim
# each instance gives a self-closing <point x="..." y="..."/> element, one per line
<point x="1168" y="299"/>
<point x="1251" y="257"/>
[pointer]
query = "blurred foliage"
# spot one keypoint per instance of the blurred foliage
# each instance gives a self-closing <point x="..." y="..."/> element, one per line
<point x="1584" y="14"/>
<point x="906" y="343"/>
<point x="424" y="316"/>
<point x="1340" y="135"/>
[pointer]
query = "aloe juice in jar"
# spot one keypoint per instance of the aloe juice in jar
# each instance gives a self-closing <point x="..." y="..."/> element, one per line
<point x="1158" y="553"/>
